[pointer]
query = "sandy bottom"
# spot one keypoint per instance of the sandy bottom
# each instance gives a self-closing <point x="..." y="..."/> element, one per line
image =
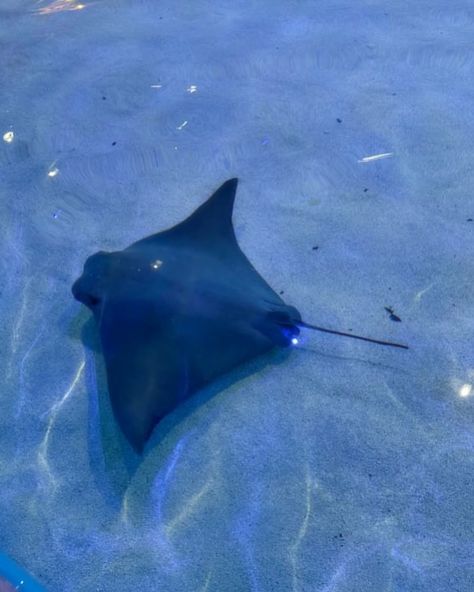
<point x="341" y="467"/>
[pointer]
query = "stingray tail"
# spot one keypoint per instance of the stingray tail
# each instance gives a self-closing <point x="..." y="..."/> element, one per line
<point x="378" y="341"/>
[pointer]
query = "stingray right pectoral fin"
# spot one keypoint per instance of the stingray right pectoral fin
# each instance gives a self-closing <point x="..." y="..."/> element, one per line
<point x="145" y="384"/>
<point x="146" y="369"/>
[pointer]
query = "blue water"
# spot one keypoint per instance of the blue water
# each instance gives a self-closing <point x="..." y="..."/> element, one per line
<point x="342" y="467"/>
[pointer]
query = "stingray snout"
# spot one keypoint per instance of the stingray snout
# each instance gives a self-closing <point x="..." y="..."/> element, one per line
<point x="82" y="292"/>
<point x="86" y="289"/>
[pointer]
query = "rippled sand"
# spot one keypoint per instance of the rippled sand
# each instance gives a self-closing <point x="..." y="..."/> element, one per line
<point x="342" y="467"/>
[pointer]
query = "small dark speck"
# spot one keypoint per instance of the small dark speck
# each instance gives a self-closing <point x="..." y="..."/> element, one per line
<point x="393" y="316"/>
<point x="394" y="94"/>
<point x="326" y="133"/>
<point x="365" y="189"/>
<point x="370" y="475"/>
<point x="315" y="248"/>
<point x="114" y="143"/>
<point x="282" y="292"/>
<point x="339" y="120"/>
<point x="469" y="220"/>
<point x="104" y="98"/>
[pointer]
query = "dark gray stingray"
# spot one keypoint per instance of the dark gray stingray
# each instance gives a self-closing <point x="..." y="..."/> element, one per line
<point x="178" y="309"/>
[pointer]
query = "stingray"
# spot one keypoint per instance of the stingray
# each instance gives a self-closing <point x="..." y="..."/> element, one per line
<point x="179" y="308"/>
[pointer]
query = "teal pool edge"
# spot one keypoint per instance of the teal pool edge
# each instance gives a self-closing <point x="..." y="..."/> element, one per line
<point x="18" y="577"/>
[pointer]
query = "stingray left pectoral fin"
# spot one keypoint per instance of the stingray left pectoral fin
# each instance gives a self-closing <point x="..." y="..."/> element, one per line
<point x="214" y="216"/>
<point x="210" y="224"/>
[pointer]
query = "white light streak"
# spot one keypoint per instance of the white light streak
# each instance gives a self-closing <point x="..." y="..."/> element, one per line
<point x="184" y="124"/>
<point x="295" y="547"/>
<point x="419" y="295"/>
<point x="53" y="413"/>
<point x="60" y="6"/>
<point x="189" y="507"/>
<point x="192" y="89"/>
<point x="376" y="157"/>
<point x="205" y="588"/>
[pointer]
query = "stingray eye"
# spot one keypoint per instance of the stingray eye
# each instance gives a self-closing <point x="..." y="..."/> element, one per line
<point x="93" y="300"/>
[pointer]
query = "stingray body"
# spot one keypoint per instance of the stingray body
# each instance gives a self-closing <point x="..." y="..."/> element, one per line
<point x="178" y="309"/>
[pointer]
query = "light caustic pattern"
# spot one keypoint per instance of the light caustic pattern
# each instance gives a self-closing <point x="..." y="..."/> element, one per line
<point x="53" y="415"/>
<point x="295" y="547"/>
<point x="192" y="502"/>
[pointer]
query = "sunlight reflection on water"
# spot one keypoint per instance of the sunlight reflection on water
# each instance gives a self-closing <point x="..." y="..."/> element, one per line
<point x="60" y="6"/>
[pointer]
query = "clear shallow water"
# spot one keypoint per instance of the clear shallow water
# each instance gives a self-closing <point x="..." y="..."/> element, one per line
<point x="343" y="467"/>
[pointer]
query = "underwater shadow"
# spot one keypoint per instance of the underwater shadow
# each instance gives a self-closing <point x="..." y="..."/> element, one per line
<point x="350" y="358"/>
<point x="111" y="461"/>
